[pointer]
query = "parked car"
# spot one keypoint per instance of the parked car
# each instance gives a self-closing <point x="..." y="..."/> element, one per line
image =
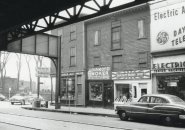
<point x="164" y="107"/>
<point x="18" y="99"/>
<point x="2" y="97"/>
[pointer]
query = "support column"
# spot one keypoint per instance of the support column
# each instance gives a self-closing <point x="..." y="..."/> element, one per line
<point x="58" y="76"/>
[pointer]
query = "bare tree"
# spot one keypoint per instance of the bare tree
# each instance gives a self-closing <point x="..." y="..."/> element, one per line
<point x="19" y="65"/>
<point x="28" y="59"/>
<point x="3" y="62"/>
<point x="38" y="60"/>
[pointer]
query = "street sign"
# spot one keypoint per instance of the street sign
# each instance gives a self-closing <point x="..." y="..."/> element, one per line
<point x="42" y="72"/>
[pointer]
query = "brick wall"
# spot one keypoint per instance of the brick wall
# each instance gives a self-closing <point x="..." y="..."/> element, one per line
<point x="130" y="43"/>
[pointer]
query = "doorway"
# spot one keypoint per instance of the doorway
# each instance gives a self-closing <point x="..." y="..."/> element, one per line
<point x="108" y="96"/>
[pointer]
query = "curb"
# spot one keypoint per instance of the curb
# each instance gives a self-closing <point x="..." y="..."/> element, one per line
<point x="72" y="112"/>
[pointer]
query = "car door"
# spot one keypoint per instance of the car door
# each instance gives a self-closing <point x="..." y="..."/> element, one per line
<point x="155" y="101"/>
<point x="139" y="109"/>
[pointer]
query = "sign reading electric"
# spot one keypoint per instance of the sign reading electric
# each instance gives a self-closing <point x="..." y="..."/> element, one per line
<point x="168" y="64"/>
<point x="167" y="26"/>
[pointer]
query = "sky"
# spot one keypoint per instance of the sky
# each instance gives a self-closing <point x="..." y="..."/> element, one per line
<point x="11" y="69"/>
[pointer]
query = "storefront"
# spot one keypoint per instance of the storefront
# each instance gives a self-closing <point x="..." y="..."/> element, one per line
<point x="72" y="89"/>
<point x="129" y="86"/>
<point x="169" y="75"/>
<point x="100" y="88"/>
<point x="168" y="47"/>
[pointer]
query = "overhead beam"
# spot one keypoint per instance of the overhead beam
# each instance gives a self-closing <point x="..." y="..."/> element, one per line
<point x="74" y="17"/>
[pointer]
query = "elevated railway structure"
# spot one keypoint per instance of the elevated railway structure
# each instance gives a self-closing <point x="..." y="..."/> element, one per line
<point x="23" y="24"/>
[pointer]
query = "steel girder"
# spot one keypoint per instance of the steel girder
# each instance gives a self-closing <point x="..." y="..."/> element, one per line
<point x="65" y="16"/>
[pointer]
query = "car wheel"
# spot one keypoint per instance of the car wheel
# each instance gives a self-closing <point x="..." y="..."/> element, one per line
<point x="12" y="103"/>
<point x="167" y="120"/>
<point x="123" y="116"/>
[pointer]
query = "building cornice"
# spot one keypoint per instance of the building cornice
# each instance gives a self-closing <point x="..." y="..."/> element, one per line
<point x="127" y="11"/>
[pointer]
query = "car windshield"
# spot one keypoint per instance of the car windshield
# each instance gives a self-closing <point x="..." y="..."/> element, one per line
<point x="175" y="99"/>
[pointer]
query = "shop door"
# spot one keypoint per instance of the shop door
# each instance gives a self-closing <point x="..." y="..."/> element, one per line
<point x="79" y="99"/>
<point x="108" y="97"/>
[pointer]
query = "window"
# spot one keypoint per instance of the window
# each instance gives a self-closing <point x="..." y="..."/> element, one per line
<point x="143" y="60"/>
<point x="96" y="61"/>
<point x="135" y="92"/>
<point x="144" y="99"/>
<point x="95" y="91"/>
<point x="116" y="35"/>
<point x="68" y="88"/>
<point x="158" y="100"/>
<point x="73" y="32"/>
<point x="72" y="56"/>
<point x="79" y="84"/>
<point x="123" y="93"/>
<point x="97" y="38"/>
<point x="117" y="63"/>
<point x="141" y="29"/>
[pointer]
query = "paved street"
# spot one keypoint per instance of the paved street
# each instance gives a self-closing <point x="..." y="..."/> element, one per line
<point x="13" y="117"/>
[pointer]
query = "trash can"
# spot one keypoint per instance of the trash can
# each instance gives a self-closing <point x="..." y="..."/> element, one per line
<point x="46" y="104"/>
<point x="36" y="103"/>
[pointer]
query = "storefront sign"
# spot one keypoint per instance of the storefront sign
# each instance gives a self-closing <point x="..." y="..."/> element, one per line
<point x="99" y="73"/>
<point x="169" y="64"/>
<point x="137" y="74"/>
<point x="42" y="72"/>
<point x="68" y="74"/>
<point x="71" y="74"/>
<point x="167" y="26"/>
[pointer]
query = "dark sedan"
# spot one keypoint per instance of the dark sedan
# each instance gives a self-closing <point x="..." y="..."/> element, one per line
<point x="164" y="107"/>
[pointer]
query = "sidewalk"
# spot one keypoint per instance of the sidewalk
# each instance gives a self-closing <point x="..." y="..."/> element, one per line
<point x="76" y="110"/>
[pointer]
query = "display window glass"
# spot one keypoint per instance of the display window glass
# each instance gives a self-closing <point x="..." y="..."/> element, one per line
<point x="68" y="88"/>
<point x="173" y="84"/>
<point x="123" y="93"/>
<point x="95" y="91"/>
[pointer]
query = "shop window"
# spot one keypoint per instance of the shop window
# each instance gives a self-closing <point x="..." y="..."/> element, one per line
<point x="123" y="93"/>
<point x="73" y="32"/>
<point x="97" y="38"/>
<point x="72" y="56"/>
<point x="173" y="84"/>
<point x="143" y="60"/>
<point x="68" y="88"/>
<point x="96" y="61"/>
<point x="141" y="29"/>
<point x="95" y="91"/>
<point x="116" y="35"/>
<point x="117" y="63"/>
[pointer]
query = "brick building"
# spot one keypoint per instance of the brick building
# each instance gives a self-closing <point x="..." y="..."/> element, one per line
<point x="106" y="58"/>
<point x="118" y="56"/>
<point x="72" y="64"/>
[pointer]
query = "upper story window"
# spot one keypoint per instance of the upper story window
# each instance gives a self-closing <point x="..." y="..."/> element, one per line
<point x="72" y="56"/>
<point x="116" y="35"/>
<point x="141" y="28"/>
<point x="73" y="32"/>
<point x="143" y="60"/>
<point x="97" y="61"/>
<point x="117" y="62"/>
<point x="97" y="37"/>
